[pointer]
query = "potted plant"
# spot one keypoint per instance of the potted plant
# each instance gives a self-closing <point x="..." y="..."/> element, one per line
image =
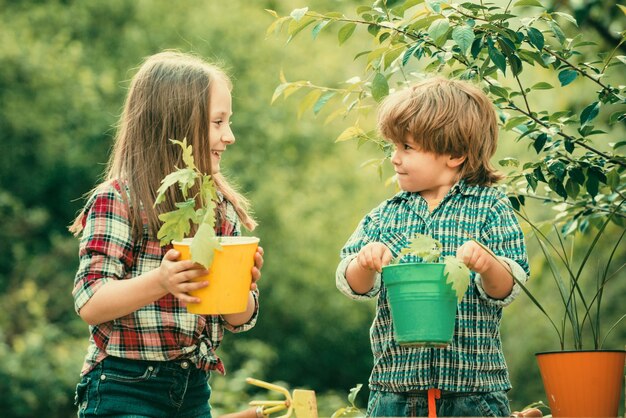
<point x="423" y="297"/>
<point x="517" y="51"/>
<point x="229" y="259"/>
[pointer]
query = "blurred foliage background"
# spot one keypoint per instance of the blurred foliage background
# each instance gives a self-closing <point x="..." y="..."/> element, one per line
<point x="65" y="66"/>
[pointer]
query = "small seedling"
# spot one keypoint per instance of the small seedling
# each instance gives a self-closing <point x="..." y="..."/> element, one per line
<point x="198" y="209"/>
<point x="429" y="250"/>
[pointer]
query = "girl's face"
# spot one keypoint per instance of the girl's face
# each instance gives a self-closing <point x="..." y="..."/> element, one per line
<point x="220" y="134"/>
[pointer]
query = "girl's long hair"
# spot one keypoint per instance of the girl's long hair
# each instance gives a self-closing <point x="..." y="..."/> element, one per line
<point x="168" y="99"/>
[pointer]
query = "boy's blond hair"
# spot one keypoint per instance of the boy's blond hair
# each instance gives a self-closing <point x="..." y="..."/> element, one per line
<point x="445" y="117"/>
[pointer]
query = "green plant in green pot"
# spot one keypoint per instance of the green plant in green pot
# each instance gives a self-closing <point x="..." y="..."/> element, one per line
<point x="423" y="297"/>
<point x="520" y="52"/>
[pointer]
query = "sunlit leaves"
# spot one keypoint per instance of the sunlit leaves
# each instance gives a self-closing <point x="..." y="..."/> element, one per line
<point x="457" y="274"/>
<point x="346" y="32"/>
<point x="589" y="113"/>
<point x="438" y="30"/>
<point x="567" y="76"/>
<point x="463" y="36"/>
<point x="536" y="38"/>
<point x="380" y="88"/>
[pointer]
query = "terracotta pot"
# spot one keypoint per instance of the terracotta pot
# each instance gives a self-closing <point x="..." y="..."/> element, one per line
<point x="583" y="383"/>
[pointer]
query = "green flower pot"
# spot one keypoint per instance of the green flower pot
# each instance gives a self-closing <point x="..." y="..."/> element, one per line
<point x="423" y="305"/>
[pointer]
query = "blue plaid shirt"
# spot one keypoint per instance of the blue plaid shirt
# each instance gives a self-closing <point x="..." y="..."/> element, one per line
<point x="474" y="361"/>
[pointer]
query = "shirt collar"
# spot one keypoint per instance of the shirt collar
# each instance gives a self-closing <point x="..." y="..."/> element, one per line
<point x="460" y="186"/>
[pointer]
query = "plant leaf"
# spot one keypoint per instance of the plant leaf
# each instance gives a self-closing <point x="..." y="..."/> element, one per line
<point x="589" y="113"/>
<point x="438" y="30"/>
<point x="457" y="274"/>
<point x="176" y="223"/>
<point x="380" y="88"/>
<point x="567" y="76"/>
<point x="463" y="36"/>
<point x="185" y="177"/>
<point x="346" y="32"/>
<point x="428" y="248"/>
<point x="204" y="245"/>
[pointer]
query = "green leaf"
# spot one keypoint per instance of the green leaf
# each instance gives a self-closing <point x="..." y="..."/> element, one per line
<point x="498" y="91"/>
<point x="204" y="245"/>
<point x="176" y="223"/>
<point x="317" y="28"/>
<point x="536" y="38"/>
<point x="346" y="32"/>
<point x="497" y="58"/>
<point x="558" y="32"/>
<point x="557" y="186"/>
<point x="572" y="188"/>
<point x="530" y="3"/>
<point x="309" y="100"/>
<point x="567" y="17"/>
<point x="542" y="85"/>
<point x="380" y="88"/>
<point x="353" y="392"/>
<point x="576" y="174"/>
<point x="297" y="14"/>
<point x="540" y="142"/>
<point x="457" y="274"/>
<point x="438" y="30"/>
<point x="567" y="76"/>
<point x="424" y="246"/>
<point x="322" y="101"/>
<point x="593" y="183"/>
<point x="349" y="133"/>
<point x="509" y="162"/>
<point x="185" y="177"/>
<point x="613" y="179"/>
<point x="463" y="36"/>
<point x="589" y="113"/>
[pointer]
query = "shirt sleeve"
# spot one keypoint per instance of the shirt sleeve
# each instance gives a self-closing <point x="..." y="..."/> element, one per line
<point x="503" y="235"/>
<point x="251" y="322"/>
<point x="367" y="231"/>
<point x="106" y="245"/>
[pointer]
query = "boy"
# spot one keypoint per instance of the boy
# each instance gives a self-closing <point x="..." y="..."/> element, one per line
<point x="444" y="133"/>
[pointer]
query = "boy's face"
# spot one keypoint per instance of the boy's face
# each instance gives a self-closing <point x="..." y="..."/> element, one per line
<point x="427" y="173"/>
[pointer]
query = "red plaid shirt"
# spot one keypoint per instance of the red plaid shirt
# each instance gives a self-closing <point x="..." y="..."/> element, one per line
<point x="162" y="330"/>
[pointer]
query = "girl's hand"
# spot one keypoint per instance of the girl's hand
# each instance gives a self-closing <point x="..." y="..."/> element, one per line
<point x="175" y="276"/>
<point x="475" y="257"/>
<point x="256" y="270"/>
<point x="374" y="256"/>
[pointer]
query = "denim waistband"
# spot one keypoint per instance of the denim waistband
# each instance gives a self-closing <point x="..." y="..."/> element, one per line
<point x="444" y="393"/>
<point x="176" y="364"/>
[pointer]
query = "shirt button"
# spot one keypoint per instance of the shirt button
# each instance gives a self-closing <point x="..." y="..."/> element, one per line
<point x="150" y="368"/>
<point x="103" y="377"/>
<point x="184" y="364"/>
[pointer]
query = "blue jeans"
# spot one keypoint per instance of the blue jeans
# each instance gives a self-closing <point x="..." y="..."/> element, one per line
<point x="135" y="388"/>
<point x="409" y="404"/>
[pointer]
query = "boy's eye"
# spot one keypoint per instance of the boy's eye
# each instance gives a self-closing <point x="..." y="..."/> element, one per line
<point x="407" y="146"/>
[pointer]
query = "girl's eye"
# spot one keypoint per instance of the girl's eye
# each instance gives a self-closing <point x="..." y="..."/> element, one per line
<point x="218" y="122"/>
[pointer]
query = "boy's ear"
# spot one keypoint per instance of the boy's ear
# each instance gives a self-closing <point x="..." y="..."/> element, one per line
<point x="454" y="162"/>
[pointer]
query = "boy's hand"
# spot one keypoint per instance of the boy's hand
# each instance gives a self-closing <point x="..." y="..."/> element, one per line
<point x="374" y="256"/>
<point x="475" y="257"/>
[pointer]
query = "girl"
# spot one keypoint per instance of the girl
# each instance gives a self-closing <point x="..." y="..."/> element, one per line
<point x="147" y="356"/>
